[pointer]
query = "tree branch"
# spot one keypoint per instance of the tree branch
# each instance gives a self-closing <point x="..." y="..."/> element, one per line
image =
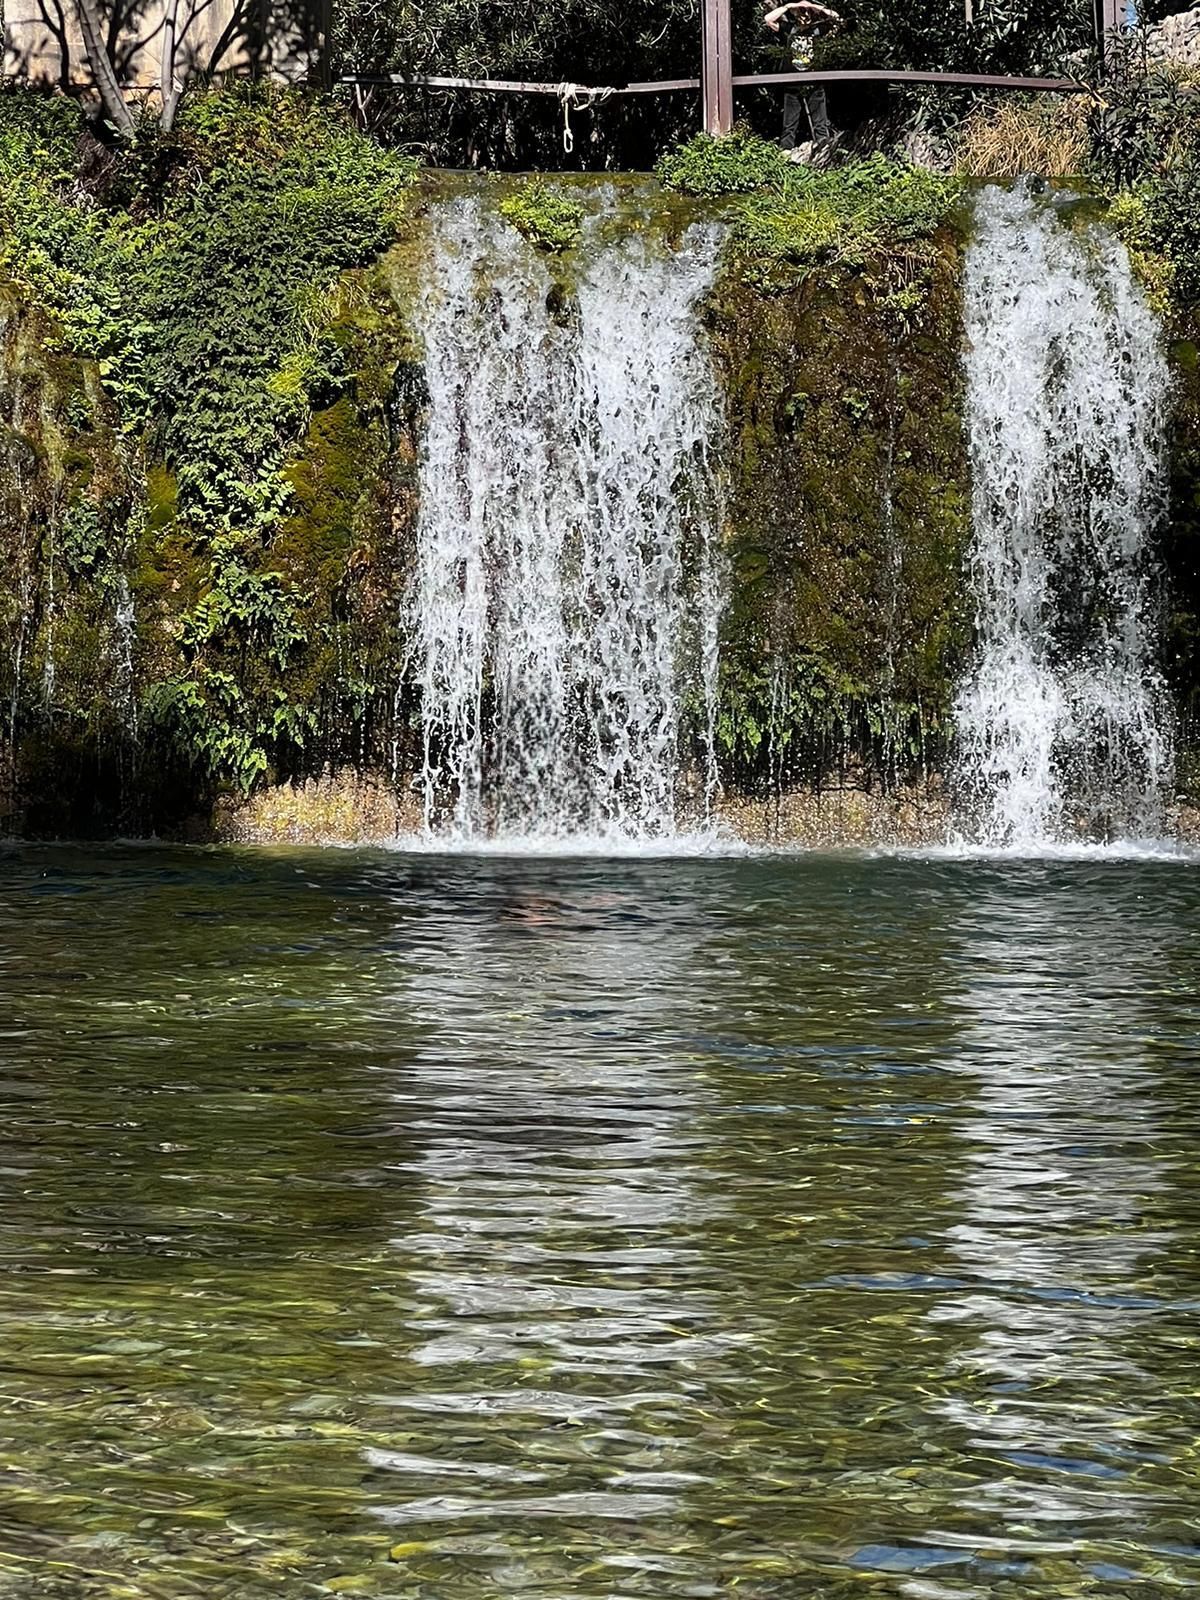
<point x="103" y="72"/>
<point x="170" y="81"/>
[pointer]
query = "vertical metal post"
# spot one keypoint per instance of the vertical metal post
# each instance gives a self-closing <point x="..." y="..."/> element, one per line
<point x="716" y="74"/>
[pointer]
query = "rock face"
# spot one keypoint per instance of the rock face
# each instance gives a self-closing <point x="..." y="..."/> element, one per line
<point x="847" y="620"/>
<point x="846" y="526"/>
<point x="1176" y="40"/>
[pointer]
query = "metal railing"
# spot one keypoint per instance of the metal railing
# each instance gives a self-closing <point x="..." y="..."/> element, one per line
<point x="718" y="82"/>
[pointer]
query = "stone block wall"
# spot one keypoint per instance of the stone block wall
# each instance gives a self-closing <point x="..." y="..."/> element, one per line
<point x="287" y="41"/>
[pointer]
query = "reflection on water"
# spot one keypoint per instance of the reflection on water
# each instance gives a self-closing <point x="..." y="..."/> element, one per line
<point x="1067" y="1220"/>
<point x="422" y="1227"/>
<point x="565" y="1302"/>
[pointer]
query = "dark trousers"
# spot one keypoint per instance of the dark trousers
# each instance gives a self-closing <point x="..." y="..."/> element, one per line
<point x="815" y="109"/>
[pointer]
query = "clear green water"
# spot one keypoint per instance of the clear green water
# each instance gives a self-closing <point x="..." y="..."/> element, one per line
<point x="444" y="1228"/>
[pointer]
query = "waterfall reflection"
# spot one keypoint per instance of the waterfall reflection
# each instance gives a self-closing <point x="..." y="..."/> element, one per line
<point x="563" y="1310"/>
<point x="1063" y="1174"/>
<point x="749" y="1227"/>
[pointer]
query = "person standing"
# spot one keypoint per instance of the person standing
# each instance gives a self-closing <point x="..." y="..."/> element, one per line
<point x="802" y="22"/>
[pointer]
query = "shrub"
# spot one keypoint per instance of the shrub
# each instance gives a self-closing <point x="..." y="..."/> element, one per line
<point x="1144" y="121"/>
<point x="1145" y="133"/>
<point x="737" y="164"/>
<point x="546" y="217"/>
<point x="39" y="134"/>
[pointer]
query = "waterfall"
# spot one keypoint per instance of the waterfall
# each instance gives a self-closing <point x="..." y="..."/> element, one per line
<point x="1062" y="727"/>
<point x="566" y="599"/>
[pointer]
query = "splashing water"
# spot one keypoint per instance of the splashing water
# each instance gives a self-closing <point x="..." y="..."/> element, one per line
<point x="1062" y="727"/>
<point x="566" y="600"/>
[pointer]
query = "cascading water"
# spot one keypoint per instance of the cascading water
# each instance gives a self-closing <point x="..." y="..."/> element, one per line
<point x="1062" y="728"/>
<point x="566" y="600"/>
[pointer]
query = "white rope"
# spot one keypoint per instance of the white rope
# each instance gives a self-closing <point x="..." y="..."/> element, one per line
<point x="575" y="97"/>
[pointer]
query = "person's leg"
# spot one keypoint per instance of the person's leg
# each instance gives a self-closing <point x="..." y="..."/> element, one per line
<point x="792" y="106"/>
<point x="817" y="107"/>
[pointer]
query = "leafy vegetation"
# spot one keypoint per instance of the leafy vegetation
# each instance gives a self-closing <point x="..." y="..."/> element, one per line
<point x="1145" y="140"/>
<point x="1145" y="131"/>
<point x="594" y="42"/>
<point x="547" y="217"/>
<point x="846" y="216"/>
<point x="578" y="41"/>
<point x="788" y="220"/>
<point x="738" y="164"/>
<point x="1002" y="36"/>
<point x="198" y="274"/>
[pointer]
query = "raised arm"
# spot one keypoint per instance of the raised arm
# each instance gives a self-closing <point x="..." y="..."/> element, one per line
<point x="804" y="8"/>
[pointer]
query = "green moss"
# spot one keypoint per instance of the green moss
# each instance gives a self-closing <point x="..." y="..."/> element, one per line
<point x="545" y="216"/>
<point x="875" y="214"/>
<point x="64" y="518"/>
<point x="1181" y="547"/>
<point x="327" y="479"/>
<point x="846" y="630"/>
<point x="789" y="220"/>
<point x="162" y="496"/>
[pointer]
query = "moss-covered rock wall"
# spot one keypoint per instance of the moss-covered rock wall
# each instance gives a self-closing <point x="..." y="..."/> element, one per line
<point x="1181" y="550"/>
<point x="140" y="647"/>
<point x="69" y="500"/>
<point x="185" y="630"/>
<point x="848" y="521"/>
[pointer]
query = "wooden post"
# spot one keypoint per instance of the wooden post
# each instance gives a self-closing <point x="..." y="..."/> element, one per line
<point x="716" y="74"/>
<point x="1109" y="17"/>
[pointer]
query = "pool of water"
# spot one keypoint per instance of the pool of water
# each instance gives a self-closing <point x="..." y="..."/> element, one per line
<point x="419" y="1226"/>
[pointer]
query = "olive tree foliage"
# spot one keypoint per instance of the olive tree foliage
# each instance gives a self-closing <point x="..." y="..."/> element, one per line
<point x="1004" y="37"/>
<point x="597" y="42"/>
<point x="1001" y="36"/>
<point x="591" y="42"/>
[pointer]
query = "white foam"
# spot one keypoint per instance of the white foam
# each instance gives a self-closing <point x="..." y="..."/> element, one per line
<point x="566" y="601"/>
<point x="703" y="843"/>
<point x="1062" y="725"/>
<point x="1166" y="850"/>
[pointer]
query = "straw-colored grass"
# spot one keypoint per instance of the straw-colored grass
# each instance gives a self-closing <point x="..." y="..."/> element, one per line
<point x="1010" y="137"/>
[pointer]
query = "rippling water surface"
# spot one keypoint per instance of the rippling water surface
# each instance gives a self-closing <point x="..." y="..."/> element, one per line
<point x="432" y="1227"/>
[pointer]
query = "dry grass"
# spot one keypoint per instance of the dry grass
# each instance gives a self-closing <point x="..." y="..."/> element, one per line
<point x="339" y="808"/>
<point x="1046" y="136"/>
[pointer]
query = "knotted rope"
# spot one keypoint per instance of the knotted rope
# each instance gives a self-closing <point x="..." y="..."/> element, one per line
<point x="576" y="97"/>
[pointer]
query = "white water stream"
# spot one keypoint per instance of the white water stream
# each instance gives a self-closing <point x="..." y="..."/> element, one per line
<point x="566" y="601"/>
<point x="1062" y="725"/>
